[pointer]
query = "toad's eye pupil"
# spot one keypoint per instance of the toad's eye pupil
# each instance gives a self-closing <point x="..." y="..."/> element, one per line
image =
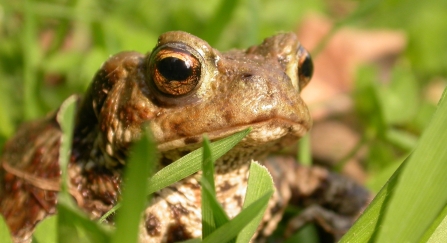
<point x="173" y="68"/>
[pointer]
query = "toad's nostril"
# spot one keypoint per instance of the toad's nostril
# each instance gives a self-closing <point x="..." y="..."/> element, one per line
<point x="247" y="75"/>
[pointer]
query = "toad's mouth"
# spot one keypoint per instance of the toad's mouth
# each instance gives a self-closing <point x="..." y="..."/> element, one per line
<point x="281" y="130"/>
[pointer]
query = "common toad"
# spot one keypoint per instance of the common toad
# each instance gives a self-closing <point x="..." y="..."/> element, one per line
<point x="182" y="89"/>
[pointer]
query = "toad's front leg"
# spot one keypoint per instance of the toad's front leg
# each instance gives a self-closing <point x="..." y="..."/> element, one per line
<point x="330" y="200"/>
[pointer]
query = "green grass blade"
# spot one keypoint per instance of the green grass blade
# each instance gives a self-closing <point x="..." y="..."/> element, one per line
<point x="208" y="164"/>
<point x="230" y="230"/>
<point x="65" y="118"/>
<point x="110" y="212"/>
<point x="31" y="54"/>
<point x="404" y="209"/>
<point x="437" y="232"/>
<point x="208" y="223"/>
<point x="4" y="231"/>
<point x="219" y="215"/>
<point x="213" y="215"/>
<point x="73" y="225"/>
<point x="305" y="153"/>
<point x="139" y="168"/>
<point x="367" y="224"/>
<point x="403" y="139"/>
<point x="259" y="183"/>
<point x="192" y="162"/>
<point x="46" y="231"/>
<point x="422" y="179"/>
<point x="440" y="234"/>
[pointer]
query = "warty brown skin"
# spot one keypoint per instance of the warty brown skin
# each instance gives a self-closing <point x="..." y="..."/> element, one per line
<point x="223" y="93"/>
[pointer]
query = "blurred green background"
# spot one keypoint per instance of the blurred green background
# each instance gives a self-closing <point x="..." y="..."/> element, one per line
<point x="51" y="49"/>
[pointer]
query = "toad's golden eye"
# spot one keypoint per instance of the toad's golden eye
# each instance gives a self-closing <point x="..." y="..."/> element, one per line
<point x="305" y="67"/>
<point x="175" y="71"/>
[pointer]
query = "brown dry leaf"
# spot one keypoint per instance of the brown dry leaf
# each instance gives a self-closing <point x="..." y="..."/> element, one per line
<point x="336" y="64"/>
<point x="332" y="141"/>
